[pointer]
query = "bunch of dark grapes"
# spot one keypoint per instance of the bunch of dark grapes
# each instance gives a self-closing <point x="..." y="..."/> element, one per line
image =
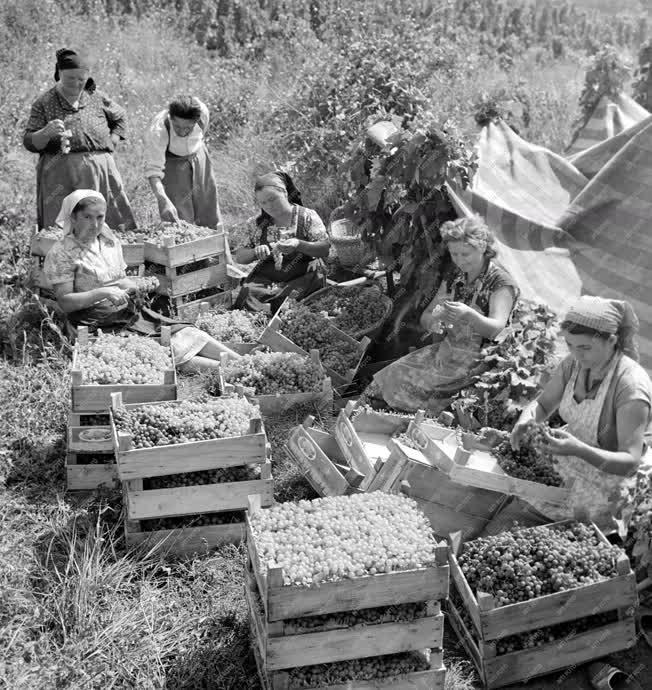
<point x="182" y="232"/>
<point x="199" y="520"/>
<point x="352" y="309"/>
<point x="341" y="672"/>
<point x="526" y="563"/>
<point x="268" y="373"/>
<point x="235" y="326"/>
<point x="532" y="461"/>
<point x="189" y="420"/>
<point x="221" y="475"/>
<point x="311" y="331"/>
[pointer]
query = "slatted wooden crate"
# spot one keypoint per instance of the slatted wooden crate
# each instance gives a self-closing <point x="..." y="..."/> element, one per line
<point x="92" y="397"/>
<point x="273" y="338"/>
<point x="204" y="307"/>
<point x="479" y="468"/>
<point x="136" y="465"/>
<point x="488" y="623"/>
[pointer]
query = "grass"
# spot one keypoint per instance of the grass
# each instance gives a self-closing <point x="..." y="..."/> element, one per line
<point x="78" y="610"/>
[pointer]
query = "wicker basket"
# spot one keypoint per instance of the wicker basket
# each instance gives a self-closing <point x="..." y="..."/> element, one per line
<point x="346" y="240"/>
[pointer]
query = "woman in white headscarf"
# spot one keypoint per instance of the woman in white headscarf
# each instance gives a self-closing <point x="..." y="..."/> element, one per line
<point x="87" y="272"/>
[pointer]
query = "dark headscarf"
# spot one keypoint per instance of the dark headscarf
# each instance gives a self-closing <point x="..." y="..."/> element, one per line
<point x="279" y="180"/>
<point x="71" y="59"/>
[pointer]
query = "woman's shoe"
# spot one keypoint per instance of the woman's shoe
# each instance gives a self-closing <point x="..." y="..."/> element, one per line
<point x="605" y="677"/>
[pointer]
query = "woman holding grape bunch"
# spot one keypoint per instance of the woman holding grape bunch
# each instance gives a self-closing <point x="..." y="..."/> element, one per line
<point x="288" y="241"/>
<point x="87" y="272"/>
<point x="472" y="305"/>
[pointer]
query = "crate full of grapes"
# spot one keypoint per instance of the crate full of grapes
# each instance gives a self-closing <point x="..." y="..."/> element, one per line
<point x="530" y="601"/>
<point x="140" y="368"/>
<point x="295" y="328"/>
<point x="365" y="609"/>
<point x="187" y="468"/>
<point x="238" y="329"/>
<point x="492" y="464"/>
<point x="275" y="381"/>
<point x="90" y="456"/>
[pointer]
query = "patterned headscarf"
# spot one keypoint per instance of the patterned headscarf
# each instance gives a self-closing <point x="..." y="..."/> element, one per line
<point x="64" y="219"/>
<point x="610" y="316"/>
<point x="277" y="180"/>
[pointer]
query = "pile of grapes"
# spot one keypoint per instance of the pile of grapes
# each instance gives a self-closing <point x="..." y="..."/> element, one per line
<point x="199" y="520"/>
<point x="217" y="476"/>
<point x="341" y="672"/>
<point x="341" y="537"/>
<point x="526" y="563"/>
<point x="312" y="331"/>
<point x="351" y="309"/>
<point x="268" y="373"/>
<point x="119" y="359"/>
<point x="135" y="236"/>
<point x="532" y="461"/>
<point x="235" y="326"/>
<point x="189" y="420"/>
<point x="182" y="232"/>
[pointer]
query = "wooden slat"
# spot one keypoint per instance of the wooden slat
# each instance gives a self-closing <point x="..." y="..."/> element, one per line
<point x="444" y="519"/>
<point x="388" y="477"/>
<point x="187" y="253"/>
<point x="465" y="637"/>
<point x="351" y="446"/>
<point x="187" y="541"/>
<point x="89" y="477"/>
<point x="77" y="445"/>
<point x="89" y="398"/>
<point x="188" y="500"/>
<point x="134" y="254"/>
<point x="274" y="405"/>
<point x="462" y="587"/>
<point x="194" y="281"/>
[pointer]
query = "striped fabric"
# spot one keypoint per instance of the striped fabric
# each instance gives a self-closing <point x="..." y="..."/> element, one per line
<point x="610" y="117"/>
<point x="561" y="235"/>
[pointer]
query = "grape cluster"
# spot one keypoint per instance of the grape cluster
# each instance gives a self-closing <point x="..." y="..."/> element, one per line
<point x="220" y="475"/>
<point x="95" y="420"/>
<point x="236" y="326"/>
<point x="341" y="672"/>
<point x="312" y="331"/>
<point x="340" y="537"/>
<point x="532" y="462"/>
<point x="229" y="517"/>
<point x="267" y="373"/>
<point x="526" y="563"/>
<point x="185" y="421"/>
<point x="118" y="359"/>
<point x="146" y="284"/>
<point x="135" y="236"/>
<point x="352" y="309"/>
<point x="182" y="232"/>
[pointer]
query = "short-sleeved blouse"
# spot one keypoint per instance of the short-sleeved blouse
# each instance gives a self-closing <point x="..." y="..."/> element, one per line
<point x="312" y="228"/>
<point x="91" y="123"/>
<point x="71" y="261"/>
<point x="493" y="279"/>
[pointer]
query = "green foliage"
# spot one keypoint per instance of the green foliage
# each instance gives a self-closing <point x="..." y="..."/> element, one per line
<point x="643" y="78"/>
<point x="511" y="369"/>
<point x="511" y="105"/>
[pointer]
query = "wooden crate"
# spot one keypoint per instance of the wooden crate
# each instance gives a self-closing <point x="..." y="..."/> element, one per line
<point x="40" y="245"/>
<point x="273" y="338"/>
<point x="490" y="623"/>
<point x="279" y="403"/>
<point x="281" y="601"/>
<point x="204" y="307"/>
<point x="190" y="310"/>
<point x="97" y="397"/>
<point x="364" y="439"/>
<point x="167" y="253"/>
<point x="479" y="469"/>
<point x="81" y="476"/>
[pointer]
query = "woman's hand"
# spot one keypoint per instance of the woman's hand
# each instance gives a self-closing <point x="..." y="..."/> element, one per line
<point x="115" y="295"/>
<point x="316" y="265"/>
<point x="262" y="251"/>
<point x="456" y="313"/>
<point x="518" y="432"/>
<point x="124" y="284"/>
<point x="288" y="246"/>
<point x="560" y="442"/>
<point x="167" y="211"/>
<point x="54" y="128"/>
<point x="115" y="138"/>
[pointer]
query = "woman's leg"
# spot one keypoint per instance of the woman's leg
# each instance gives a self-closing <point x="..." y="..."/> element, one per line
<point x="198" y="364"/>
<point x="213" y="350"/>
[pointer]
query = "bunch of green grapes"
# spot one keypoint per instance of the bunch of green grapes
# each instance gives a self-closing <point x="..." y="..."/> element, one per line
<point x="532" y="461"/>
<point x="135" y="236"/>
<point x="341" y="537"/>
<point x="342" y="672"/>
<point x="235" y="326"/>
<point x="199" y="520"/>
<point x="312" y="331"/>
<point x="182" y="232"/>
<point x="117" y="359"/>
<point x="268" y="373"/>
<point x="221" y="475"/>
<point x="189" y="420"/>
<point x="52" y="233"/>
<point x="526" y="563"/>
<point x="352" y="309"/>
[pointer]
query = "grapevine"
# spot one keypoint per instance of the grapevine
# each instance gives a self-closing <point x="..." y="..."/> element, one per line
<point x="343" y="537"/>
<point x="526" y="563"/>
<point x="312" y="331"/>
<point x="351" y="309"/>
<point x="113" y="359"/>
<point x="270" y="373"/>
<point x="235" y="326"/>
<point x="182" y="422"/>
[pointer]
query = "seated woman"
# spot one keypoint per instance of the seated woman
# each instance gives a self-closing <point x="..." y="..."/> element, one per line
<point x="605" y="398"/>
<point x="472" y="305"/>
<point x="87" y="271"/>
<point x="288" y="241"/>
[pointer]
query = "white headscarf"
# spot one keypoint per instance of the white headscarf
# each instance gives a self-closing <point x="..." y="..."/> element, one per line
<point x="64" y="219"/>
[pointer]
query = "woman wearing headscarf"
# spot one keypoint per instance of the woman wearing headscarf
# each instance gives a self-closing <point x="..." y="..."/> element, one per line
<point x="177" y="164"/>
<point x="74" y="128"/>
<point x="87" y="272"/>
<point x="288" y="242"/>
<point x="605" y="398"/>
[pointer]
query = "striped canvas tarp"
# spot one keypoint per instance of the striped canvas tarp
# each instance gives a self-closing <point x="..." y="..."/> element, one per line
<point x="562" y="235"/>
<point x="610" y="117"/>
